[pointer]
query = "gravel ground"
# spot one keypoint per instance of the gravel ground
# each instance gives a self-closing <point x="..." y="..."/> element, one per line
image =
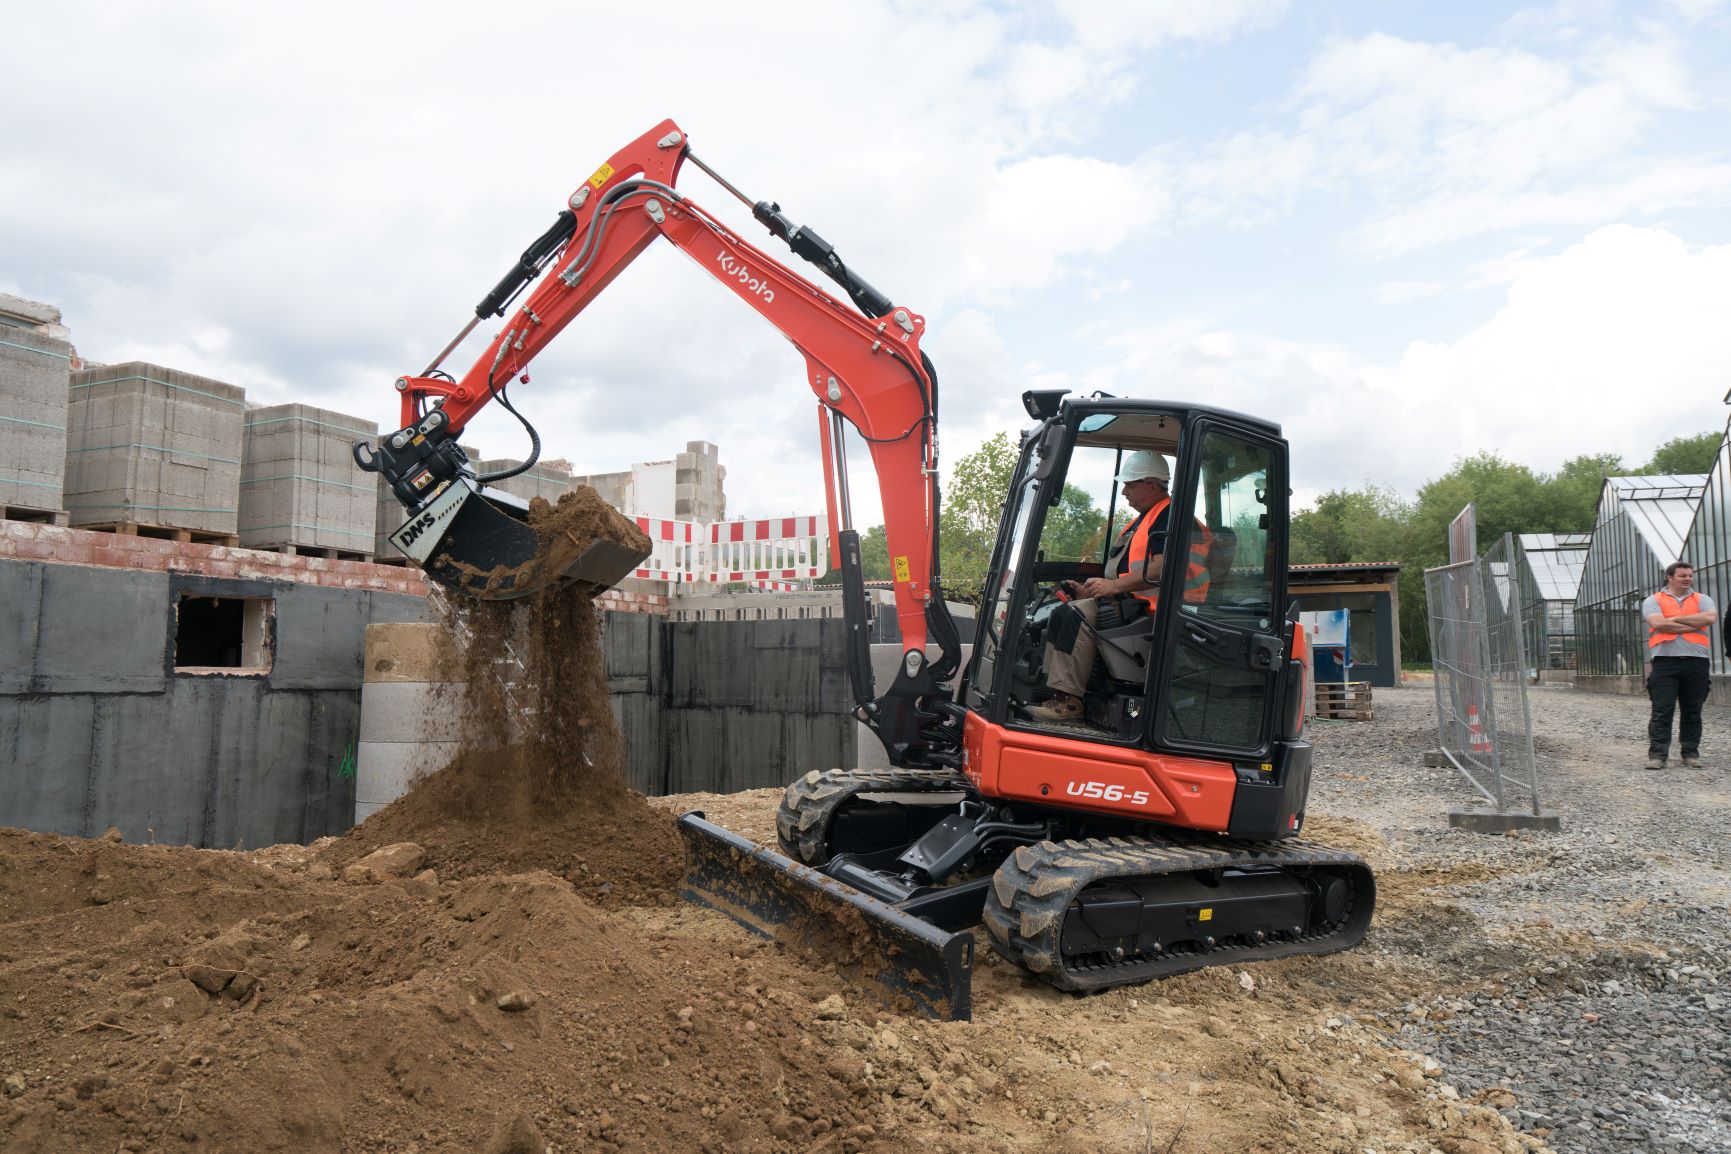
<point x="1581" y="975"/>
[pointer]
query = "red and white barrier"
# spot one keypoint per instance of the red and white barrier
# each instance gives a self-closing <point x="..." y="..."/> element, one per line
<point x="773" y="553"/>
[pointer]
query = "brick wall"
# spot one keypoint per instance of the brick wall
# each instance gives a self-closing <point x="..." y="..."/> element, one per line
<point x="24" y="541"/>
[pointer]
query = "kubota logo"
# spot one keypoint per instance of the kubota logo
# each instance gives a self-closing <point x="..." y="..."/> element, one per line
<point x="1104" y="792"/>
<point x="743" y="274"/>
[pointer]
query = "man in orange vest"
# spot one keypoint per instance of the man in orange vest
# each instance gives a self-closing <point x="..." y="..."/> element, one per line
<point x="1678" y="650"/>
<point x="1131" y="583"/>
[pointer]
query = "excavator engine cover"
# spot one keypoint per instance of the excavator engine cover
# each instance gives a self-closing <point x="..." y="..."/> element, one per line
<point x="477" y="541"/>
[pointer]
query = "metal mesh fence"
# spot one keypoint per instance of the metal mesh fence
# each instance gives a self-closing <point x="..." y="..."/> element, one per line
<point x="1484" y="722"/>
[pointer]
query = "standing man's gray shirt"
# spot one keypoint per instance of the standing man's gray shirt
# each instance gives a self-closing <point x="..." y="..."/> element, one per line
<point x="1677" y="647"/>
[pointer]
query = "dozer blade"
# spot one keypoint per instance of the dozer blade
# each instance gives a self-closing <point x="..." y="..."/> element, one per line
<point x="908" y="964"/>
<point x="477" y="541"/>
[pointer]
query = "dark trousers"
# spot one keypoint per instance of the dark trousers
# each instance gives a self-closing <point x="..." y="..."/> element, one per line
<point x="1677" y="681"/>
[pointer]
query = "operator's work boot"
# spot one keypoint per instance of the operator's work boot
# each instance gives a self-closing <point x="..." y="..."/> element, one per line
<point x="1655" y="763"/>
<point x="1691" y="761"/>
<point x="1062" y="707"/>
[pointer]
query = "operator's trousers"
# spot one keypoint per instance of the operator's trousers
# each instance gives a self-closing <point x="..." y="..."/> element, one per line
<point x="1073" y="646"/>
<point x="1677" y="681"/>
<point x="1070" y="654"/>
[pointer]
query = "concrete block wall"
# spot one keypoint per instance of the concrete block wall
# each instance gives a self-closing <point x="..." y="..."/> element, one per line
<point x="35" y="370"/>
<point x="99" y="728"/>
<point x="411" y="715"/>
<point x="698" y="481"/>
<point x="148" y="445"/>
<point x="299" y="484"/>
<point x="703" y="708"/>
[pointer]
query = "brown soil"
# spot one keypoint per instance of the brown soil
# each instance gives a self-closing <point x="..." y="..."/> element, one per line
<point x="564" y="531"/>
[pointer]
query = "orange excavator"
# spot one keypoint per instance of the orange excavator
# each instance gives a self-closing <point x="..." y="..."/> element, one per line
<point x="1151" y="829"/>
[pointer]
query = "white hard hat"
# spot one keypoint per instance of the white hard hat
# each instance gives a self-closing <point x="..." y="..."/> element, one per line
<point x="1144" y="465"/>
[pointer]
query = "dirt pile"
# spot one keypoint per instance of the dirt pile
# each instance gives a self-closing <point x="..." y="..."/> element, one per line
<point x="217" y="1001"/>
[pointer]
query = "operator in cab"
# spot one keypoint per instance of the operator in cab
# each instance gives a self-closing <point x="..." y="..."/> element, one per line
<point x="1128" y="590"/>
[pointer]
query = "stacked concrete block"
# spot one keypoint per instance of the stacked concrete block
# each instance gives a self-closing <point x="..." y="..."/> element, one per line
<point x="300" y="488"/>
<point x="697" y="483"/>
<point x="546" y="479"/>
<point x="154" y="446"/>
<point x="411" y="711"/>
<point x="35" y="369"/>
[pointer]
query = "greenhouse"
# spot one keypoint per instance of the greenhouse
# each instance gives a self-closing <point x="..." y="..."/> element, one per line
<point x="1642" y="526"/>
<point x="1550" y="576"/>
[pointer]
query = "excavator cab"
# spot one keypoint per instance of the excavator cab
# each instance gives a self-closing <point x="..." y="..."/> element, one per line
<point x="1193" y="665"/>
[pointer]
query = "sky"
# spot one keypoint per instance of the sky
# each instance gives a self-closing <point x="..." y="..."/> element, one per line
<point x="1407" y="232"/>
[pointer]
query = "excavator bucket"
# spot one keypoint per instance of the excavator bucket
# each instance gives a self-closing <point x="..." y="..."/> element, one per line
<point x="477" y="541"/>
<point x="904" y="963"/>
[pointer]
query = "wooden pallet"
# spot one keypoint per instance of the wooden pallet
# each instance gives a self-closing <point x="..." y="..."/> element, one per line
<point x="163" y="532"/>
<point x="34" y="516"/>
<point x="1348" y="702"/>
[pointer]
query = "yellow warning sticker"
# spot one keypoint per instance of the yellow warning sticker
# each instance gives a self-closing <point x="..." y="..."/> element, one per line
<point x="1205" y="914"/>
<point x="902" y="572"/>
<point x="601" y="175"/>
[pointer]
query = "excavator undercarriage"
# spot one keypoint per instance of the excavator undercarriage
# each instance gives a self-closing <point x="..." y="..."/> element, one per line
<point x="1084" y="913"/>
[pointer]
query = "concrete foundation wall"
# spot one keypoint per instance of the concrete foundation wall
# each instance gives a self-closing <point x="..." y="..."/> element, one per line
<point x="98" y="728"/>
<point x="148" y="445"/>
<point x="35" y="370"/>
<point x="299" y="484"/>
<point x="703" y="708"/>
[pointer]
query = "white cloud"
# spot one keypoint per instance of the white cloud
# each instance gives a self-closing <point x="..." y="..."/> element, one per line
<point x="1397" y="292"/>
<point x="1447" y="143"/>
<point x="1614" y="345"/>
<point x="1142" y="24"/>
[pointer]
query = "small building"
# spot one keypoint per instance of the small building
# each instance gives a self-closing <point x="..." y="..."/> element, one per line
<point x="1642" y="526"/>
<point x="1371" y="591"/>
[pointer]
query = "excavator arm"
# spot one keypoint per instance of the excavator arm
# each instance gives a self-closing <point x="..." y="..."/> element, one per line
<point x="866" y="370"/>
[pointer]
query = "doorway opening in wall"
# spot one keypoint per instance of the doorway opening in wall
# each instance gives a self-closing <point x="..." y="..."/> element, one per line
<point x="223" y="634"/>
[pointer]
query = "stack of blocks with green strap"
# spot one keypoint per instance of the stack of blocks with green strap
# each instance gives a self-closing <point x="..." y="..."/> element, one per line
<point x="153" y="446"/>
<point x="35" y="367"/>
<point x="300" y="487"/>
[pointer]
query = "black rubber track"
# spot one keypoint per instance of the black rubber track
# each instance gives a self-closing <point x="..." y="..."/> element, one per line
<point x="809" y="805"/>
<point x="1034" y="887"/>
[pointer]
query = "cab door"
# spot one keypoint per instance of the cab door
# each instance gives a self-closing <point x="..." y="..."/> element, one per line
<point x="1214" y="690"/>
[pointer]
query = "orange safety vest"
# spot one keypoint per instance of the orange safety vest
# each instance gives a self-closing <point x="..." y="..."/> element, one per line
<point x="1196" y="576"/>
<point x="1671" y="607"/>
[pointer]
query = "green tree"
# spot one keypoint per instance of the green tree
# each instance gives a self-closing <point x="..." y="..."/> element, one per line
<point x="973" y="504"/>
<point x="874" y="558"/>
<point x="1572" y="492"/>
<point x="1075" y="528"/>
<point x="1681" y="456"/>
<point x="1369" y="524"/>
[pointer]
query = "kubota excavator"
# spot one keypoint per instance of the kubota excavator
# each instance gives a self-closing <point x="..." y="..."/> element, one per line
<point x="1155" y="833"/>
